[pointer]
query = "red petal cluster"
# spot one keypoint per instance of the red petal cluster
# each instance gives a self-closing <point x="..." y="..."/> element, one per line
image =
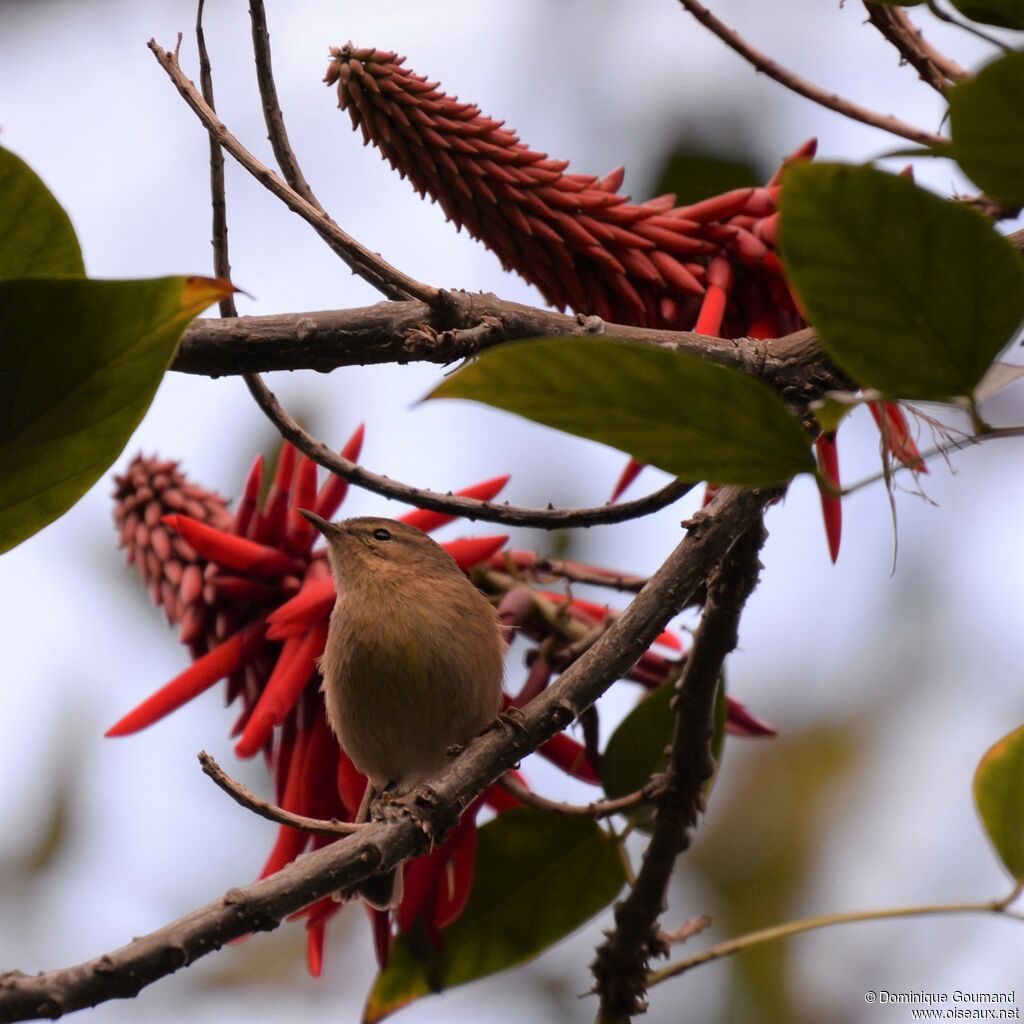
<point x="585" y="246"/>
<point x="711" y="266"/>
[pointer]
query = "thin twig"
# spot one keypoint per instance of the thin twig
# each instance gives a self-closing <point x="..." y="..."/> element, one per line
<point x="685" y="931"/>
<point x="801" y="86"/>
<point x="417" y="821"/>
<point x="272" y="113"/>
<point x="221" y="262"/>
<point x="935" y="68"/>
<point x="597" y="809"/>
<point x="379" y="273"/>
<point x="241" y="795"/>
<point x="620" y="968"/>
<point x="784" y="931"/>
<point x="468" y="508"/>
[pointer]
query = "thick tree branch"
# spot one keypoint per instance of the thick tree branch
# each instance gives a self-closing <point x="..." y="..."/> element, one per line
<point x="409" y="332"/>
<point x="802" y="87"/>
<point x="621" y="965"/>
<point x="419" y="818"/>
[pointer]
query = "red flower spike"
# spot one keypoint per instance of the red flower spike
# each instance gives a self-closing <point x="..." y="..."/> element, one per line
<point x="471" y="551"/>
<point x="712" y="309"/>
<point x="457" y="879"/>
<point x="250" y="496"/>
<point x="315" y="947"/>
<point x="199" y="676"/>
<point x="896" y="435"/>
<point x="629" y="474"/>
<point x="295" y="666"/>
<point x="276" y="507"/>
<point x="290" y="842"/>
<point x="581" y="243"/>
<point x="594" y="613"/>
<point x="740" y="722"/>
<point x="381" y="921"/>
<point x="333" y="492"/>
<point x="570" y="756"/>
<point x="312" y="603"/>
<point x="238" y="588"/>
<point x="428" y="521"/>
<point x="831" y="504"/>
<point x="351" y="784"/>
<point x="234" y="552"/>
<point x="300" y="533"/>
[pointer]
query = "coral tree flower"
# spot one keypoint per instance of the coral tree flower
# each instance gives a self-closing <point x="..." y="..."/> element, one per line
<point x="252" y="598"/>
<point x="712" y="267"/>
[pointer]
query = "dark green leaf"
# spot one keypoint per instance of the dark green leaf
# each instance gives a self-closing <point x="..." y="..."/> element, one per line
<point x="1004" y="13"/>
<point x="999" y="794"/>
<point x="911" y="294"/>
<point x="680" y="413"/>
<point x="36" y="236"/>
<point x="986" y="117"/>
<point x="539" y="876"/>
<point x="638" y="747"/>
<point x="80" y="362"/>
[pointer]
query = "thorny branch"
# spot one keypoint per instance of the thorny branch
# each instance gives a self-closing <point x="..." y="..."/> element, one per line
<point x="419" y="819"/>
<point x="621" y="966"/>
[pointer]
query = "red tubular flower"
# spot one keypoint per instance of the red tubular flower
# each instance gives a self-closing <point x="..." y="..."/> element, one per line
<point x="710" y="266"/>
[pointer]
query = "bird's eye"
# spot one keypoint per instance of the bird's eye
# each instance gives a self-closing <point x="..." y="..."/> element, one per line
<point x="381" y="534"/>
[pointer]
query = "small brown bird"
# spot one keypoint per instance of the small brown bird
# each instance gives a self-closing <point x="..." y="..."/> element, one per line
<point x="413" y="664"/>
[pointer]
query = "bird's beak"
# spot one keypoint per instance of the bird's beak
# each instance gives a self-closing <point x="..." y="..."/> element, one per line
<point x="326" y="528"/>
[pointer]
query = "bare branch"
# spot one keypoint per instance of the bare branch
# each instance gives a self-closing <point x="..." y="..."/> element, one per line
<point x="597" y="809"/>
<point x="621" y="965"/>
<point x="387" y="279"/>
<point x="934" y="67"/>
<point x="246" y="798"/>
<point x="802" y="87"/>
<point x="469" y="508"/>
<point x="272" y="114"/>
<point x="419" y="818"/>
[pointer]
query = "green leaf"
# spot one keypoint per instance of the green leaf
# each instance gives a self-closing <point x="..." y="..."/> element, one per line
<point x="685" y="415"/>
<point x="911" y="294"/>
<point x="639" y="746"/>
<point x="986" y="117"/>
<point x="1004" y="13"/>
<point x="999" y="795"/>
<point x="80" y="361"/>
<point x="539" y="876"/>
<point x="36" y="236"/>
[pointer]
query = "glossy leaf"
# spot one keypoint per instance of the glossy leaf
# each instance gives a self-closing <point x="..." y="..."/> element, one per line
<point x="639" y="746"/>
<point x="911" y="294"/>
<point x="79" y="365"/>
<point x="986" y="116"/>
<point x="1004" y="13"/>
<point x="539" y="876"/>
<point x="678" y="412"/>
<point x="36" y="236"/>
<point x="999" y="795"/>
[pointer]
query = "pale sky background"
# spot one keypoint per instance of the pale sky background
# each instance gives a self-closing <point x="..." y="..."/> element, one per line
<point x="919" y="670"/>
